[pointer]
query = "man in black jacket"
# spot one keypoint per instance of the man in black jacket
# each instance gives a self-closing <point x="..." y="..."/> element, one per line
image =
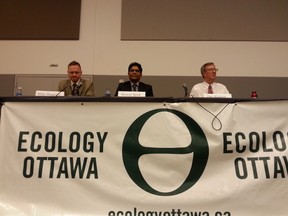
<point x="135" y="74"/>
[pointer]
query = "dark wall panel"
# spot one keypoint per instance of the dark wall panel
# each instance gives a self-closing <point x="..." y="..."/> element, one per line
<point x="7" y="85"/>
<point x="171" y="86"/>
<point x="209" y="20"/>
<point x="40" y="19"/>
<point x="163" y="86"/>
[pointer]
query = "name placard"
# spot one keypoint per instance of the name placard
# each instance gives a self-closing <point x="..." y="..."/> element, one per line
<point x="218" y="95"/>
<point x="49" y="93"/>
<point x="131" y="94"/>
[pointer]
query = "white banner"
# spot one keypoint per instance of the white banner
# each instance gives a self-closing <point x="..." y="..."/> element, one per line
<point x="144" y="159"/>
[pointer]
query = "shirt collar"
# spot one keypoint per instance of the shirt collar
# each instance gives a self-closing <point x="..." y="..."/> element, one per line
<point x="207" y="84"/>
<point x="77" y="83"/>
<point x="137" y="84"/>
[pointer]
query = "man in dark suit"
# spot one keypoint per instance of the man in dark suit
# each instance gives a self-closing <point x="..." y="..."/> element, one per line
<point x="135" y="74"/>
<point x="75" y="85"/>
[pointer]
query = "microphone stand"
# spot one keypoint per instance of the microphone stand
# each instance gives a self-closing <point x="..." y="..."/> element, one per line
<point x="185" y="90"/>
<point x="62" y="90"/>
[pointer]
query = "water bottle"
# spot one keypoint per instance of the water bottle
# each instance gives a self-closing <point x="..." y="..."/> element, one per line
<point x="107" y="92"/>
<point x="19" y="91"/>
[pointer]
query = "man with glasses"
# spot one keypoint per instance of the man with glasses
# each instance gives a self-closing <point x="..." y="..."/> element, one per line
<point x="208" y="86"/>
<point x="135" y="74"/>
<point x="75" y="85"/>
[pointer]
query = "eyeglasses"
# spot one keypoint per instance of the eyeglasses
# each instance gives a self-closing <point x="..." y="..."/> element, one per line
<point x="135" y="70"/>
<point x="212" y="69"/>
<point x="74" y="72"/>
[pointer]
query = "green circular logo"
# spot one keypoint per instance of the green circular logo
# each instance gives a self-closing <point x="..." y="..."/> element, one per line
<point x="132" y="150"/>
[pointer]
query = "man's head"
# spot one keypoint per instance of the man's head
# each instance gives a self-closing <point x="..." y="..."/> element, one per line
<point x="74" y="71"/>
<point x="208" y="72"/>
<point x="135" y="72"/>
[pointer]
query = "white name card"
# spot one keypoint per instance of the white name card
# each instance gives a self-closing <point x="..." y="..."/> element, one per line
<point x="49" y="93"/>
<point x="218" y="95"/>
<point x="131" y="94"/>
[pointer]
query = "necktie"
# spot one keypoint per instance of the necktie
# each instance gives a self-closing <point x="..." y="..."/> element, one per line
<point x="134" y="87"/>
<point x="210" y="90"/>
<point x="75" y="90"/>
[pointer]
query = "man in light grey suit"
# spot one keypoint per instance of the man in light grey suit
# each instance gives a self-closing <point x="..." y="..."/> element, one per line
<point x="75" y="85"/>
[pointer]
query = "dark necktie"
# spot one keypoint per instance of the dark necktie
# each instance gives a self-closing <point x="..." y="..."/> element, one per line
<point x="210" y="90"/>
<point x="75" y="90"/>
<point x="134" y="87"/>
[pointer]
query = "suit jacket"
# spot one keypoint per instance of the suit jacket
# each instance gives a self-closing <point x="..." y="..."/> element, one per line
<point x="126" y="86"/>
<point x="86" y="89"/>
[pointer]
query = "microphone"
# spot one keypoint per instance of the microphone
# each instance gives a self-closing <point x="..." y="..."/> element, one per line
<point x="62" y="90"/>
<point x="184" y="85"/>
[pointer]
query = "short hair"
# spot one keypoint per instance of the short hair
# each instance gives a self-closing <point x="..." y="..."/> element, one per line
<point x="203" y="68"/>
<point x="135" y="64"/>
<point x="74" y="63"/>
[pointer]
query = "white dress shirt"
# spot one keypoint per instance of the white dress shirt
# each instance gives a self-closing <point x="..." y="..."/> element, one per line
<point x="200" y="89"/>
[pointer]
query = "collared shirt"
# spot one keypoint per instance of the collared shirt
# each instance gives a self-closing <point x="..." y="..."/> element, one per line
<point x="77" y="83"/>
<point x="200" y="89"/>
<point x="136" y="86"/>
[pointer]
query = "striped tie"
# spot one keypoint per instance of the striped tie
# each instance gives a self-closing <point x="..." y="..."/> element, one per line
<point x="75" y="90"/>
<point x="134" y="87"/>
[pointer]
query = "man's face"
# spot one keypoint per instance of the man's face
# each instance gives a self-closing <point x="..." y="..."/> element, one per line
<point x="134" y="74"/>
<point x="210" y="73"/>
<point x="74" y="73"/>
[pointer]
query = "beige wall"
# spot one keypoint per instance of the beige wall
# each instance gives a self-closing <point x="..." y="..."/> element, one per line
<point x="101" y="52"/>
